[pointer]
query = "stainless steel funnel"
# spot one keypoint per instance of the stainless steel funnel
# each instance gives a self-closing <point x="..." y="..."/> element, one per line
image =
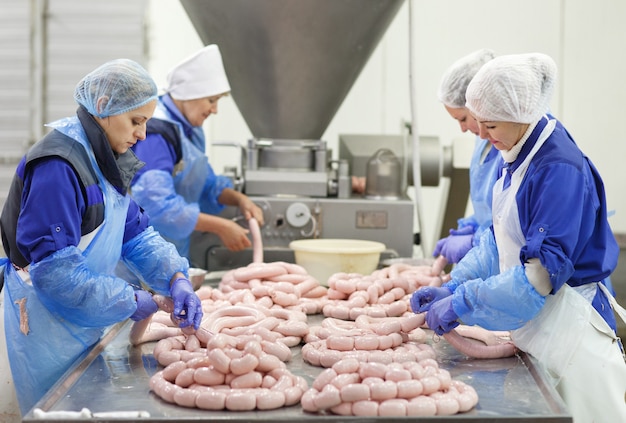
<point x="291" y="63"/>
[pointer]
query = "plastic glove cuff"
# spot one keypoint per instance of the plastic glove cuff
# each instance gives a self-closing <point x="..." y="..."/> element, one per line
<point x="183" y="280"/>
<point x="452" y="285"/>
<point x="459" y="305"/>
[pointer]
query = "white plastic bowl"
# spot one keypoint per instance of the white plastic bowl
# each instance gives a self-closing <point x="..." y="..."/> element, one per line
<point x="324" y="257"/>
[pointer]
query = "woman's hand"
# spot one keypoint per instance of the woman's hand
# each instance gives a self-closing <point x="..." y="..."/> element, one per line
<point x="233" y="236"/>
<point x="441" y="317"/>
<point x="249" y="210"/>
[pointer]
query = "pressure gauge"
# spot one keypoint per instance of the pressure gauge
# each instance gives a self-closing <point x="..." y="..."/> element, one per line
<point x="298" y="215"/>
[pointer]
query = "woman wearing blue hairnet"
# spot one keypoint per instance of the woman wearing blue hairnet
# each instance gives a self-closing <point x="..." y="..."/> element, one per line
<point x="67" y="222"/>
<point x="484" y="163"/>
<point x="178" y="186"/>
<point x="537" y="271"/>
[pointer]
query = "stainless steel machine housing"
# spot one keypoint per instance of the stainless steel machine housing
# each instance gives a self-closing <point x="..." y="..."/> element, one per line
<point x="290" y="65"/>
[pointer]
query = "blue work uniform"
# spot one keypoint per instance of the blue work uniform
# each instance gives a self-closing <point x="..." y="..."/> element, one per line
<point x="549" y="204"/>
<point x="66" y="224"/>
<point x="568" y="233"/>
<point x="177" y="182"/>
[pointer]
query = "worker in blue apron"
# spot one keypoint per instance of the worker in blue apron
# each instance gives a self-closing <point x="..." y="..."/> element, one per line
<point x="537" y="274"/>
<point x="68" y="221"/>
<point x="178" y="187"/>
<point x="484" y="163"/>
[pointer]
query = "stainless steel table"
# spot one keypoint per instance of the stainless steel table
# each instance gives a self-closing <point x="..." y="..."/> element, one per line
<point x="115" y="377"/>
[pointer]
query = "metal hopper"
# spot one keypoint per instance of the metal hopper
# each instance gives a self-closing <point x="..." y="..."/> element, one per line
<point x="291" y="63"/>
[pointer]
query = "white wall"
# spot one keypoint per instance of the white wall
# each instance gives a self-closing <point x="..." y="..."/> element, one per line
<point x="585" y="38"/>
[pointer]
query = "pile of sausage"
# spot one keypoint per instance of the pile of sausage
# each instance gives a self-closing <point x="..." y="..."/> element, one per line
<point x="283" y="284"/>
<point x="383" y="340"/>
<point x="231" y="373"/>
<point x="387" y="292"/>
<point x="384" y="293"/>
<point x="371" y="345"/>
<point x="276" y="335"/>
<point x="356" y="388"/>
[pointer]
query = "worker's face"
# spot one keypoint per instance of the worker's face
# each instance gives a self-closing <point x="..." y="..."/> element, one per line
<point x="124" y="130"/>
<point x="198" y="110"/>
<point x="503" y="135"/>
<point x="465" y="119"/>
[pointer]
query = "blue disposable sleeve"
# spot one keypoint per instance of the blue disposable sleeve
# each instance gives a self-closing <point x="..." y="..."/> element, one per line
<point x="213" y="187"/>
<point x="67" y="287"/>
<point x="154" y="191"/>
<point x="480" y="262"/>
<point x="154" y="259"/>
<point x="502" y="302"/>
<point x="467" y="221"/>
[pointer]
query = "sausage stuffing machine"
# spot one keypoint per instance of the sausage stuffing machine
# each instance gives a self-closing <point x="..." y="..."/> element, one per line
<point x="291" y="64"/>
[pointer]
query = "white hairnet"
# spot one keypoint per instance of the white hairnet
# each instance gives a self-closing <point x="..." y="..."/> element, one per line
<point x="458" y="76"/>
<point x="198" y="76"/>
<point x="123" y="85"/>
<point x="514" y="88"/>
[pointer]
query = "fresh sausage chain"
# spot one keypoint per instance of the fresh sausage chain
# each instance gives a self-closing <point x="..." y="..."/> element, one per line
<point x="382" y="340"/>
<point x="231" y="373"/>
<point x="384" y="293"/>
<point x="287" y="285"/>
<point x="353" y="387"/>
<point x="236" y="360"/>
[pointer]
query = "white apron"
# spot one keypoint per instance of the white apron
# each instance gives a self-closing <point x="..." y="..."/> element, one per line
<point x="571" y="341"/>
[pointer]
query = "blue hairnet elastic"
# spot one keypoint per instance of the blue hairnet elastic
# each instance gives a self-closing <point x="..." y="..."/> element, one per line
<point x="120" y="85"/>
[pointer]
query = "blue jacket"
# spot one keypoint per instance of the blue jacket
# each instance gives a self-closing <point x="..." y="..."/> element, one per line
<point x="563" y="215"/>
<point x="177" y="182"/>
<point x="66" y="196"/>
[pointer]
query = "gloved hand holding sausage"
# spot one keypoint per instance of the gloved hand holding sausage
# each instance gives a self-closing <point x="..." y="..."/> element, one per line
<point x="145" y="305"/>
<point x="187" y="305"/>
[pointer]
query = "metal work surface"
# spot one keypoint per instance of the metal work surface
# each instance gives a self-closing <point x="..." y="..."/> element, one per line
<point x="115" y="378"/>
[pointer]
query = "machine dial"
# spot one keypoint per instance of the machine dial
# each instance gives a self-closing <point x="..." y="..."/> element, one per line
<point x="298" y="215"/>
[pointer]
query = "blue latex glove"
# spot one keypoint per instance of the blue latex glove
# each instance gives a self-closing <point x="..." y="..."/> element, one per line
<point x="145" y="305"/>
<point x="187" y="305"/>
<point x="423" y="298"/>
<point x="456" y="245"/>
<point x="441" y="317"/>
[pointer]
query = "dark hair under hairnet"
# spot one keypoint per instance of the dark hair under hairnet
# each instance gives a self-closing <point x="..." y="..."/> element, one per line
<point x="121" y="85"/>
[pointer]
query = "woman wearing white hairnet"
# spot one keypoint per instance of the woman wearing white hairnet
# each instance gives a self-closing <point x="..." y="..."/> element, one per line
<point x="178" y="187"/>
<point x="484" y="163"/>
<point x="66" y="224"/>
<point x="537" y="273"/>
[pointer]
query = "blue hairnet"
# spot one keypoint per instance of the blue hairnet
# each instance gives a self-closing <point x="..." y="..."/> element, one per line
<point x="122" y="84"/>
<point x="458" y="76"/>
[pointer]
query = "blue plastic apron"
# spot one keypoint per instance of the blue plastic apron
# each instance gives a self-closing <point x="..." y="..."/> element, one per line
<point x="40" y="357"/>
<point x="189" y="179"/>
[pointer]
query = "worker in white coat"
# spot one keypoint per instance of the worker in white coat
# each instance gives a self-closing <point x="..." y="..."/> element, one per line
<point x="484" y="163"/>
<point x="177" y="186"/>
<point x="537" y="271"/>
